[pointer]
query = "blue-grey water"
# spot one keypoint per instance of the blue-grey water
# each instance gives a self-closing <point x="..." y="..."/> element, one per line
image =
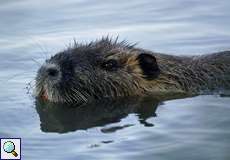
<point x="195" y="128"/>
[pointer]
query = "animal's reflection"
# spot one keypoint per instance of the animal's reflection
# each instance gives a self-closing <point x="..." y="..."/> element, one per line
<point x="62" y="118"/>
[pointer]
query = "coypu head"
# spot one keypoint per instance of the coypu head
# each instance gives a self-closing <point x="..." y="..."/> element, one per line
<point x="100" y="69"/>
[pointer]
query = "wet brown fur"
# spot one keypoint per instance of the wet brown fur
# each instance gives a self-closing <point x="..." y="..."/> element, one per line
<point x="178" y="74"/>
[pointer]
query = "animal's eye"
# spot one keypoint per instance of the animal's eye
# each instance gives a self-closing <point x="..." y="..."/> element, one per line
<point x="110" y="65"/>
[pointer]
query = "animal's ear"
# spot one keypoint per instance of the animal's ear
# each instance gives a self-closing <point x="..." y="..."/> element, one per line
<point x="148" y="65"/>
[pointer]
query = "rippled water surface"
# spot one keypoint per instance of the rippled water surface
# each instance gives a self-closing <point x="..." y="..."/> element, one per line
<point x="192" y="128"/>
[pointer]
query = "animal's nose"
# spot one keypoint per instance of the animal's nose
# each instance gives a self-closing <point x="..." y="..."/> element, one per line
<point x="52" y="72"/>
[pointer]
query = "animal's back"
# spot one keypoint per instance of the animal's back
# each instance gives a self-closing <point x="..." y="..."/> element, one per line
<point x="196" y="73"/>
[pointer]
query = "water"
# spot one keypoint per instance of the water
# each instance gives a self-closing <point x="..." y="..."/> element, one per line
<point x="190" y="128"/>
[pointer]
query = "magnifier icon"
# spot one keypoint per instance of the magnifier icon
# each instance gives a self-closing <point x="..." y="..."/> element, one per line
<point x="9" y="147"/>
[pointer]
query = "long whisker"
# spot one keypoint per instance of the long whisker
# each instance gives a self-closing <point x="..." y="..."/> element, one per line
<point x="38" y="63"/>
<point x="78" y="93"/>
<point x="41" y="47"/>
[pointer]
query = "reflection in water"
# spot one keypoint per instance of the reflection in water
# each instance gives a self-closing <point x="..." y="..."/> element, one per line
<point x="62" y="118"/>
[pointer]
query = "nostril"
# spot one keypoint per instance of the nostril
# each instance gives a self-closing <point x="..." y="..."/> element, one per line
<point x="53" y="72"/>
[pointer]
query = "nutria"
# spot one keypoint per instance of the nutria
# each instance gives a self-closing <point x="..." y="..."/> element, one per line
<point x="107" y="68"/>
